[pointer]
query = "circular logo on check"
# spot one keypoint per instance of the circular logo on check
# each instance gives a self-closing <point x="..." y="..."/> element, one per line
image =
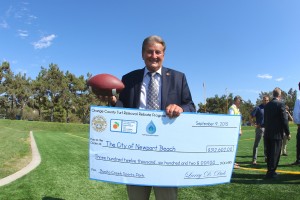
<point x="99" y="123"/>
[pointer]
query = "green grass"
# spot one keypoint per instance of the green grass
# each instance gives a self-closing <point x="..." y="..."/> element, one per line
<point x="63" y="172"/>
<point x="15" y="150"/>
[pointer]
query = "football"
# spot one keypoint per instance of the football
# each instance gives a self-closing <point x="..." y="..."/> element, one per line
<point x="105" y="84"/>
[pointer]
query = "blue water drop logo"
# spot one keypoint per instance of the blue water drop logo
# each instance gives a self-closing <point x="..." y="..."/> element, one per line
<point x="151" y="128"/>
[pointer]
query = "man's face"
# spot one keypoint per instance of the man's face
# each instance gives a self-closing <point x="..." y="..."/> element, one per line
<point x="265" y="101"/>
<point x="153" y="56"/>
<point x="237" y="103"/>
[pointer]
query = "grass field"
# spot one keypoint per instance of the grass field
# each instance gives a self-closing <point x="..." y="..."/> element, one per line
<point x="63" y="172"/>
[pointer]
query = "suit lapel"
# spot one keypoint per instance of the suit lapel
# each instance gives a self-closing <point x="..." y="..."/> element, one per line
<point x="166" y="75"/>
<point x="137" y="88"/>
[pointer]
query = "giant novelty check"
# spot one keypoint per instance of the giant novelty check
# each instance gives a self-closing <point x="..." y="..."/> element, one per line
<point x="141" y="147"/>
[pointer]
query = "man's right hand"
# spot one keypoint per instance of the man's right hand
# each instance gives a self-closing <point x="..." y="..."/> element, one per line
<point x="112" y="100"/>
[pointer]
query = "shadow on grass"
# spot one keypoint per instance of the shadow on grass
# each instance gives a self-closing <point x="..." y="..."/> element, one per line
<point x="245" y="157"/>
<point x="51" y="198"/>
<point x="263" y="165"/>
<point x="244" y="178"/>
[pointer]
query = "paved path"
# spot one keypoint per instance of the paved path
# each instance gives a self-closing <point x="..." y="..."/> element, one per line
<point x="36" y="160"/>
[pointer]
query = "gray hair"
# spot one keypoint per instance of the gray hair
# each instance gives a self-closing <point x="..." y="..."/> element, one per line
<point x="153" y="39"/>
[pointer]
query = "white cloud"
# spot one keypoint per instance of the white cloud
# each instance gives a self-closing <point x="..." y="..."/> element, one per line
<point x="3" y="24"/>
<point x="264" y="76"/>
<point x="279" y="79"/>
<point x="23" y="33"/>
<point x="30" y="19"/>
<point x="44" y="42"/>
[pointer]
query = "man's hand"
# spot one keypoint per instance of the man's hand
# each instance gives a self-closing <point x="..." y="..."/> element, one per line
<point x="173" y="110"/>
<point x="112" y="100"/>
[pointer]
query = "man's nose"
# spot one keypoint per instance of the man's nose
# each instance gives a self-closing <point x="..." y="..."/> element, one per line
<point x="153" y="55"/>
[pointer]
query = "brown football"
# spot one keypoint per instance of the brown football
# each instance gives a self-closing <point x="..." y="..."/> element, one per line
<point x="105" y="84"/>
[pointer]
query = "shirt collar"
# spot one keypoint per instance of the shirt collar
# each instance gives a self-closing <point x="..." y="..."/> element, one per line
<point x="146" y="71"/>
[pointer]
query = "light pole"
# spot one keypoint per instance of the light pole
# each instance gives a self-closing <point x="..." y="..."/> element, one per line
<point x="226" y="100"/>
<point x="204" y="96"/>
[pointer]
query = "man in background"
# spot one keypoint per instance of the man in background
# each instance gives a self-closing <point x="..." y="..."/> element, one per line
<point x="258" y="113"/>
<point x="276" y="124"/>
<point x="234" y="109"/>
<point x="296" y="116"/>
<point x="285" y="139"/>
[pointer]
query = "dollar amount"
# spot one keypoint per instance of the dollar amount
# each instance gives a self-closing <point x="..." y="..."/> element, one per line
<point x="218" y="149"/>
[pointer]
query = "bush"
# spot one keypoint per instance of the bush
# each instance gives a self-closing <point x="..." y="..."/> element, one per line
<point x="30" y="114"/>
<point x="11" y="114"/>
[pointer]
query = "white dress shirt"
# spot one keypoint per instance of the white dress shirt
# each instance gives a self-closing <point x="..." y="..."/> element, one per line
<point x="296" y="113"/>
<point x="144" y="88"/>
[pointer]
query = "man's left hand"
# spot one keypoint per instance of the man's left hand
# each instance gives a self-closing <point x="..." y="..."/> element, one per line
<point x="173" y="110"/>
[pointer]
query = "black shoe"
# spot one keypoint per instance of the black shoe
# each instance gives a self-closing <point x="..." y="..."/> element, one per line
<point x="271" y="175"/>
<point x="284" y="154"/>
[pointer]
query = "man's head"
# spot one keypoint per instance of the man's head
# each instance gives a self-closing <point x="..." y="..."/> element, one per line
<point x="277" y="92"/>
<point x="153" y="52"/>
<point x="299" y="85"/>
<point x="265" y="100"/>
<point x="237" y="100"/>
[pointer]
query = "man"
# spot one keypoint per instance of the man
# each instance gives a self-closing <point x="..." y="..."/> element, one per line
<point x="234" y="109"/>
<point x="258" y="113"/>
<point x="173" y="96"/>
<point x="276" y="123"/>
<point x="284" y="141"/>
<point x="296" y="116"/>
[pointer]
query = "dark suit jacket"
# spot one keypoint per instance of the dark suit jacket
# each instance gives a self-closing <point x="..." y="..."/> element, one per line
<point x="276" y="120"/>
<point x="175" y="90"/>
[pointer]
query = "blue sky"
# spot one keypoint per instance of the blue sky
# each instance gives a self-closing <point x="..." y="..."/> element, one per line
<point x="233" y="46"/>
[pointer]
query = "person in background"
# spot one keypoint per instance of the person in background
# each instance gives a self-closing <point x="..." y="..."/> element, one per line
<point x="234" y="109"/>
<point x="172" y="95"/>
<point x="258" y="113"/>
<point x="276" y="123"/>
<point x="296" y="116"/>
<point x="285" y="139"/>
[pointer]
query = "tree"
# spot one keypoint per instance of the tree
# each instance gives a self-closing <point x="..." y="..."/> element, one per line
<point x="77" y="88"/>
<point x="4" y="69"/>
<point x="8" y="89"/>
<point x="220" y="105"/>
<point x="215" y="104"/>
<point x="4" y="105"/>
<point x="291" y="98"/>
<point x="87" y="98"/>
<point x="21" y="88"/>
<point x="53" y="86"/>
<point x="38" y="100"/>
<point x="4" y="98"/>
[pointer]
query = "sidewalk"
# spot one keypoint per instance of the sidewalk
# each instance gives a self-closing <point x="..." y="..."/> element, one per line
<point x="36" y="160"/>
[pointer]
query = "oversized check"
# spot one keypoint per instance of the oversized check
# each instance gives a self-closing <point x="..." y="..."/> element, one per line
<point x="141" y="147"/>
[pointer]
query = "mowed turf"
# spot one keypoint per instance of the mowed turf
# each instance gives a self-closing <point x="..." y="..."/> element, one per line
<point x="15" y="150"/>
<point x="64" y="170"/>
